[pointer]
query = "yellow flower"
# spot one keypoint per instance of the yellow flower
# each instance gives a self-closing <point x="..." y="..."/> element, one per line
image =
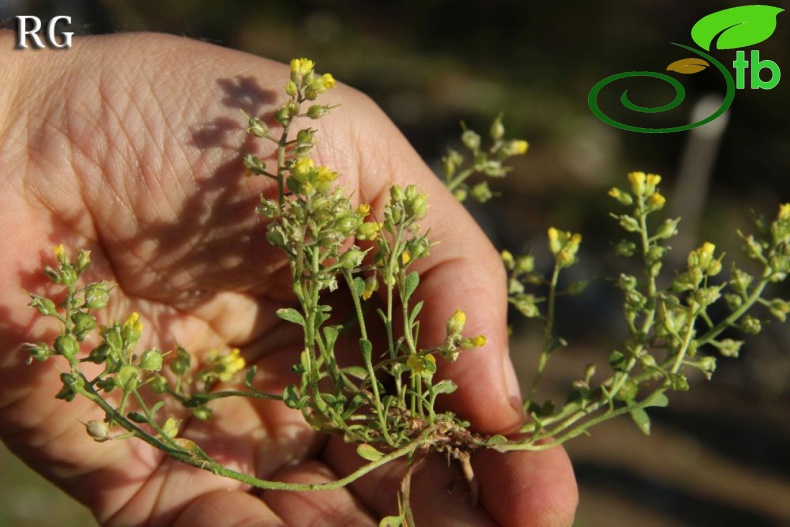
<point x="371" y="284"/>
<point x="405" y="257"/>
<point x="653" y="179"/>
<point x="364" y="209"/>
<point x="303" y="168"/>
<point x="420" y="364"/>
<point x="134" y="322"/>
<point x="479" y="341"/>
<point x="656" y="201"/>
<point x="516" y="147"/>
<point x="637" y="180"/>
<point x="328" y="81"/>
<point x="326" y="175"/>
<point x="230" y="364"/>
<point x="302" y="66"/>
<point x="60" y="251"/>
<point x="784" y="211"/>
<point x="705" y="255"/>
<point x="623" y="197"/>
<point x="456" y="323"/>
<point x="368" y="230"/>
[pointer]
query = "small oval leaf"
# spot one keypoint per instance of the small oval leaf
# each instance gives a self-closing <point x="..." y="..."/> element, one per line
<point x="737" y="27"/>
<point x="641" y="419"/>
<point x="688" y="66"/>
<point x="289" y="314"/>
<point x="368" y="452"/>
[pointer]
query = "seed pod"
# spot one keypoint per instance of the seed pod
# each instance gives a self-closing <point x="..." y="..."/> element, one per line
<point x="98" y="430"/>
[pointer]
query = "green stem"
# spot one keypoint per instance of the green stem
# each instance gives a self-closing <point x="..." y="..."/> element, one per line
<point x="548" y="337"/>
<point x="460" y="178"/>
<point x="377" y="404"/>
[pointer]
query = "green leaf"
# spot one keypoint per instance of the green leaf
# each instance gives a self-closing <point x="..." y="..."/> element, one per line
<point x="357" y="372"/>
<point x="330" y="334"/>
<point x="391" y="521"/>
<point x="368" y="452"/>
<point x="658" y="400"/>
<point x="412" y="281"/>
<point x="497" y="439"/>
<point x="291" y="315"/>
<point x="291" y="397"/>
<point x="414" y="312"/>
<point x="642" y="420"/>
<point x="444" y="386"/>
<point x="737" y="27"/>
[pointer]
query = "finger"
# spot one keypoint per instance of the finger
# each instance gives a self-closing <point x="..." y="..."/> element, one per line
<point x="327" y="507"/>
<point x="228" y="509"/>
<point x="527" y="488"/>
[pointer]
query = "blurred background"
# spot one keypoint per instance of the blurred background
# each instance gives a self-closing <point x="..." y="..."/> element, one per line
<point x="719" y="455"/>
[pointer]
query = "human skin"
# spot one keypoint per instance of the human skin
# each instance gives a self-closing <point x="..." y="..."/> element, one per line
<point x="130" y="146"/>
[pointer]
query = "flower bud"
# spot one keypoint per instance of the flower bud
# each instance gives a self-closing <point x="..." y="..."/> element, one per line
<point x="456" y="323"/>
<point x="83" y="322"/>
<point x="516" y="147"/>
<point x="637" y="180"/>
<point x="371" y="285"/>
<point x="44" y="305"/>
<point x="158" y="384"/>
<point x="97" y="295"/>
<point x="257" y="127"/>
<point x="751" y="325"/>
<point x="39" y="351"/>
<point x="351" y="259"/>
<point x="254" y="164"/>
<point x="481" y="192"/>
<point x="623" y="197"/>
<point x="128" y="378"/>
<point x="667" y="229"/>
<point x="497" y="130"/>
<point x="67" y="346"/>
<point x="151" y="360"/>
<point x="471" y="140"/>
<point x="474" y="342"/>
<point x="317" y="111"/>
<point x="730" y="348"/>
<point x="181" y="363"/>
<point x="83" y="260"/>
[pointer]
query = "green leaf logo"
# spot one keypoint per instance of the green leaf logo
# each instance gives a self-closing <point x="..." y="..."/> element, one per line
<point x="737" y="27"/>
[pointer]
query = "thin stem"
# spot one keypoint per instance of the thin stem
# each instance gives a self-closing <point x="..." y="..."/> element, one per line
<point x="548" y="337"/>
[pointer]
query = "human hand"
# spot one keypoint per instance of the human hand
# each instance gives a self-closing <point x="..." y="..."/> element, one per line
<point x="130" y="146"/>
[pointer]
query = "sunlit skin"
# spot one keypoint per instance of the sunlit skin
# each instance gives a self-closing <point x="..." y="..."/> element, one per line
<point x="131" y="146"/>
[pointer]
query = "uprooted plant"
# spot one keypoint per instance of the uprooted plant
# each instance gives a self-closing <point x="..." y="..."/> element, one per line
<point x="386" y="401"/>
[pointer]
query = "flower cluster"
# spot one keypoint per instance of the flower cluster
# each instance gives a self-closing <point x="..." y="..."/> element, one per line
<point x="488" y="162"/>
